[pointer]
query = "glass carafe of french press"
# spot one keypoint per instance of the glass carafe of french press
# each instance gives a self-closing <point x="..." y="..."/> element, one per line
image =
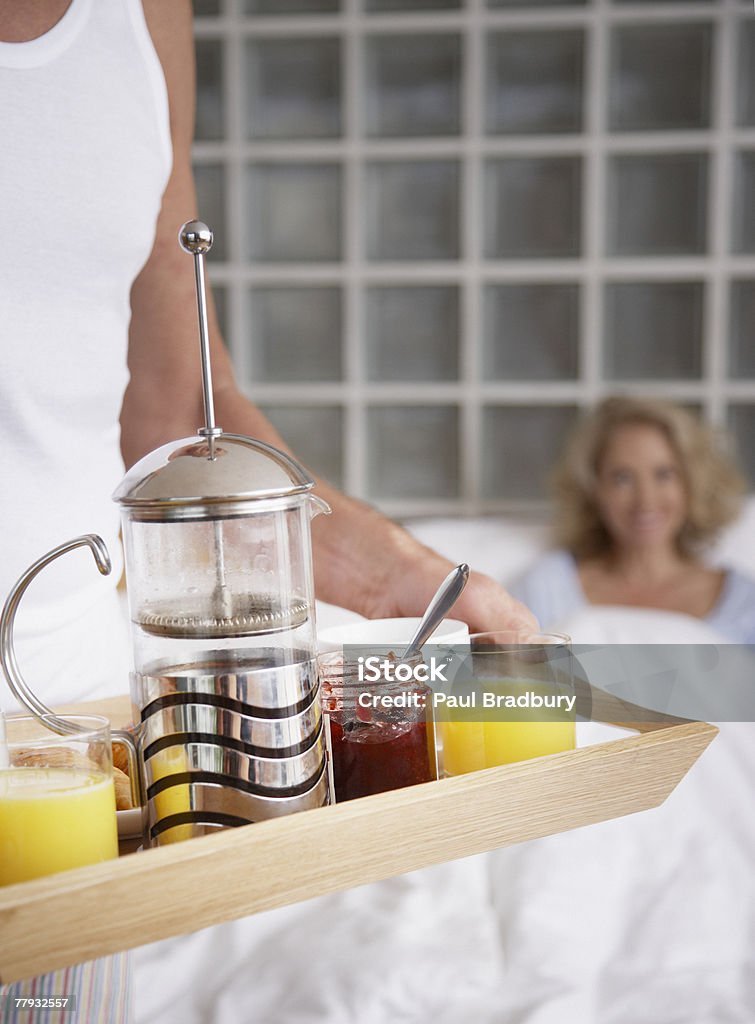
<point x="220" y="589"/>
<point x="216" y="533"/>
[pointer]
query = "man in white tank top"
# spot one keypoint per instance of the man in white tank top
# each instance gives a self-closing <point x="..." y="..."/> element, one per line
<point x="97" y="316"/>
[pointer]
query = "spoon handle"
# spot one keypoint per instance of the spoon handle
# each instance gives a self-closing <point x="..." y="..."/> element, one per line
<point x="445" y="597"/>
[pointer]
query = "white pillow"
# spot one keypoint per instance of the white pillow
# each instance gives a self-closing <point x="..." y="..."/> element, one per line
<point x="503" y="547"/>
<point x="736" y="547"/>
<point x="618" y="624"/>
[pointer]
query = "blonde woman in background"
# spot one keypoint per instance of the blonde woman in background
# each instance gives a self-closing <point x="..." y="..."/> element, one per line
<point x="640" y="492"/>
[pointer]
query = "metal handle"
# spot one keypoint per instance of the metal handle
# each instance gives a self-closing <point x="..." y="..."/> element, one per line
<point x="196" y="238"/>
<point x="18" y="685"/>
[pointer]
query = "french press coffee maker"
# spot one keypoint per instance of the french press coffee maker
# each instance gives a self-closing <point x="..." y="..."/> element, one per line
<point x="216" y="536"/>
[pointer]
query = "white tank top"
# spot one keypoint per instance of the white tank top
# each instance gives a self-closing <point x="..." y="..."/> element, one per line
<point x="85" y="158"/>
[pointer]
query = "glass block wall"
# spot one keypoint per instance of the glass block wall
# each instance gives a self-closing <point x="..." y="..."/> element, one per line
<point x="445" y="225"/>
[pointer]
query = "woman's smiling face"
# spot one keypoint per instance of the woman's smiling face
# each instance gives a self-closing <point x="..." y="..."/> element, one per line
<point x="641" y="492"/>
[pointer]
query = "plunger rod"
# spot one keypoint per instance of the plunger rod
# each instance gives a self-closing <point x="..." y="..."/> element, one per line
<point x="196" y="238"/>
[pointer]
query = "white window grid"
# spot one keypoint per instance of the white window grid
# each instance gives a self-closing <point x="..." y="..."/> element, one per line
<point x="714" y="393"/>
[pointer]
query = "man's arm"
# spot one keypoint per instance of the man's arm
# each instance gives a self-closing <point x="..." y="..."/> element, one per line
<point x="363" y="561"/>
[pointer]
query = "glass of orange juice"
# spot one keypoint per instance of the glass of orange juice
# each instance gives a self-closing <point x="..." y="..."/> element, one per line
<point x="57" y="799"/>
<point x="517" y="701"/>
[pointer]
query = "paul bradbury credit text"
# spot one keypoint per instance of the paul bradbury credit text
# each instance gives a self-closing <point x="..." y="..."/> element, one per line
<point x="525" y="700"/>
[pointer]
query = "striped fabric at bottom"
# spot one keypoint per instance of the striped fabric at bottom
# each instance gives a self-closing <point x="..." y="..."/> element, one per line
<point x="103" y="990"/>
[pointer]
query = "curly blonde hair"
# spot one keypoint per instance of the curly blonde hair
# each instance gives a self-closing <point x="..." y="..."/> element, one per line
<point x="714" y="485"/>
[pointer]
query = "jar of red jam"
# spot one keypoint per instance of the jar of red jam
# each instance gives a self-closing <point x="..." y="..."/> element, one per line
<point x="382" y="734"/>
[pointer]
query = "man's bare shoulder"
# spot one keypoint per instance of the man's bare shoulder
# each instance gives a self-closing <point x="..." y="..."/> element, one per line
<point x="170" y="26"/>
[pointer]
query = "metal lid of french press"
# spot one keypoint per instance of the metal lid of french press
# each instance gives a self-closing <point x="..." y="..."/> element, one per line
<point x="191" y="477"/>
<point x="183" y="473"/>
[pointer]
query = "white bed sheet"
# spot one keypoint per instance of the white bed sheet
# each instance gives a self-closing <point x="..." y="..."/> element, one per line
<point x="649" y="918"/>
<point x="645" y="918"/>
<point x="422" y="947"/>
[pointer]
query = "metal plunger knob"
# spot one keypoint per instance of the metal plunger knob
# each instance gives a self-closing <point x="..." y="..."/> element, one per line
<point x="196" y="239"/>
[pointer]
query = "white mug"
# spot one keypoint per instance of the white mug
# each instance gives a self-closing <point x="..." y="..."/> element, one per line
<point x="389" y="633"/>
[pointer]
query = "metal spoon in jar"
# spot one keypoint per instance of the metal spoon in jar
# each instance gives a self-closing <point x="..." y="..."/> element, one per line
<point x="445" y="597"/>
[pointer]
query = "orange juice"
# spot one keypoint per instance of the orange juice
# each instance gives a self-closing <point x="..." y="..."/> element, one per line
<point x="53" y="819"/>
<point x="175" y="799"/>
<point x="473" y="740"/>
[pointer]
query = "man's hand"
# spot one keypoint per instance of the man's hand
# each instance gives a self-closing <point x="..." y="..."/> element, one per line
<point x="484" y="606"/>
<point x="365" y="562"/>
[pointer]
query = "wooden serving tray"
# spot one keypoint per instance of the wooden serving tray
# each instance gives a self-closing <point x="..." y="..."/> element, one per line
<point x="81" y="914"/>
